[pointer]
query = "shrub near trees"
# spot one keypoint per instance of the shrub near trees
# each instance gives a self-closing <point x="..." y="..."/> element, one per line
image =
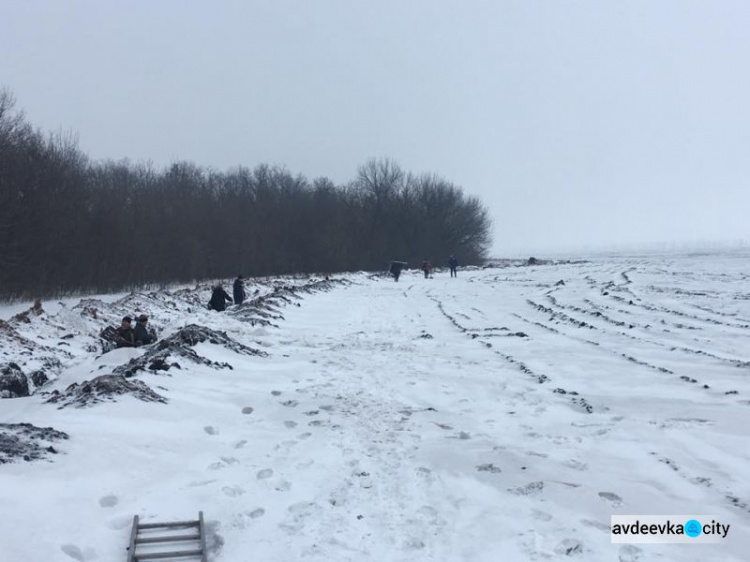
<point x="68" y="224"/>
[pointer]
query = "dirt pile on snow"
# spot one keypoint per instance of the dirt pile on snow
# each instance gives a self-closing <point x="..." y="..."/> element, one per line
<point x="36" y="346"/>
<point x="162" y="355"/>
<point x="105" y="388"/>
<point x="27" y="442"/>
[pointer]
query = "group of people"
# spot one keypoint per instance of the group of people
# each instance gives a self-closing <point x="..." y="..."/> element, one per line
<point x="397" y="266"/>
<point x="127" y="336"/>
<point x="220" y="298"/>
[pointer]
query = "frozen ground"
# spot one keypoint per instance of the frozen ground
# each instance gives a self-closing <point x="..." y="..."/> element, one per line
<point x="496" y="416"/>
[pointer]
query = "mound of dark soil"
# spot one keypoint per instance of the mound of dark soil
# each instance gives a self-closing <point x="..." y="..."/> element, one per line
<point x="161" y="356"/>
<point x="27" y="442"/>
<point x="13" y="382"/>
<point x="105" y="388"/>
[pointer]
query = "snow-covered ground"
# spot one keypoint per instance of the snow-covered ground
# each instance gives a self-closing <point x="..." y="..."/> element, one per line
<point x="498" y="416"/>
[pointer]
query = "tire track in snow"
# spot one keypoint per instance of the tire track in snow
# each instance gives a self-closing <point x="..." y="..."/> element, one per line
<point x="743" y="364"/>
<point x="575" y="399"/>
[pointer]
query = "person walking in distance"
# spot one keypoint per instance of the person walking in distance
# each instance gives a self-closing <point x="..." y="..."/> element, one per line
<point x="239" y="290"/>
<point x="453" y="264"/>
<point x="395" y="269"/>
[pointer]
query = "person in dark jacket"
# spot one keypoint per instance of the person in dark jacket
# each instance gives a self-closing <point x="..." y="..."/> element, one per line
<point x="427" y="268"/>
<point x="239" y="290"/>
<point x="125" y="335"/>
<point x="453" y="264"/>
<point x="219" y="299"/>
<point x="395" y="269"/>
<point x="143" y="336"/>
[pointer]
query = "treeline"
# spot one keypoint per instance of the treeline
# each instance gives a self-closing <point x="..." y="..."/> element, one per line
<point x="68" y="224"/>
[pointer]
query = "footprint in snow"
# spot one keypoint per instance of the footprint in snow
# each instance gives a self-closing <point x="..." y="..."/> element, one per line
<point x="198" y="483"/>
<point x="414" y="544"/>
<point x="286" y="445"/>
<point x="596" y="525"/>
<point x="247" y="410"/>
<point x="443" y="426"/>
<point x="630" y="553"/>
<point x="569" y="547"/>
<point x="109" y="501"/>
<point x="428" y="511"/>
<point x="290" y="424"/>
<point x="299" y="514"/>
<point x="462" y="435"/>
<point x="535" y="454"/>
<point x="528" y="489"/>
<point x="240" y="444"/>
<point x="541" y="515"/>
<point x="276" y="393"/>
<point x="232" y="491"/>
<point x="265" y="473"/>
<point x="289" y="403"/>
<point x="75" y="552"/>
<point x="614" y="499"/>
<point x="211" y="430"/>
<point x="283" y="486"/>
<point x="241" y="520"/>
<point x="364" y="480"/>
<point x="576" y="464"/>
<point x="489" y="467"/>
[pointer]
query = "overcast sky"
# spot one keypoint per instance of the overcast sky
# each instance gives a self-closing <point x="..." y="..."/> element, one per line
<point x="579" y="123"/>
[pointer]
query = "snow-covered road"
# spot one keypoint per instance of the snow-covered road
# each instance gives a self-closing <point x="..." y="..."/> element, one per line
<point x="497" y="416"/>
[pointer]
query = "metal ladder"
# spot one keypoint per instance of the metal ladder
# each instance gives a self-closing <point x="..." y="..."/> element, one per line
<point x="156" y="545"/>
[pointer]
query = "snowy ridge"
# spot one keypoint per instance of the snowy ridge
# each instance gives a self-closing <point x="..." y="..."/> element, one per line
<point x="502" y="415"/>
<point x="35" y="346"/>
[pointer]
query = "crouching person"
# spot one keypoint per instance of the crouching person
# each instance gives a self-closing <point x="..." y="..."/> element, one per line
<point x="125" y="335"/>
<point x="219" y="299"/>
<point x="144" y="335"/>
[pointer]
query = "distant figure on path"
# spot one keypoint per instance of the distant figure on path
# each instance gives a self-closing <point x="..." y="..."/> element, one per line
<point x="426" y="267"/>
<point x="125" y="334"/>
<point x="239" y="290"/>
<point x="219" y="299"/>
<point x="395" y="269"/>
<point x="143" y="336"/>
<point x="453" y="264"/>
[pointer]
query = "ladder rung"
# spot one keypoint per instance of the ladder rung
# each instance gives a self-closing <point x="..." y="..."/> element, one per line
<point x="167" y="539"/>
<point x="168" y="525"/>
<point x="177" y="554"/>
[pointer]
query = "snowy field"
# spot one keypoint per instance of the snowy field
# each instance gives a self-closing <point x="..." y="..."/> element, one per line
<point x="499" y="416"/>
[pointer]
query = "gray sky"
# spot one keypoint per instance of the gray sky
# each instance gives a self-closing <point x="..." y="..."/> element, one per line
<point x="579" y="123"/>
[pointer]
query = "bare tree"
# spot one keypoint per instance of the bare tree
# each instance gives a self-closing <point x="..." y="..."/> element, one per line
<point x="69" y="224"/>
